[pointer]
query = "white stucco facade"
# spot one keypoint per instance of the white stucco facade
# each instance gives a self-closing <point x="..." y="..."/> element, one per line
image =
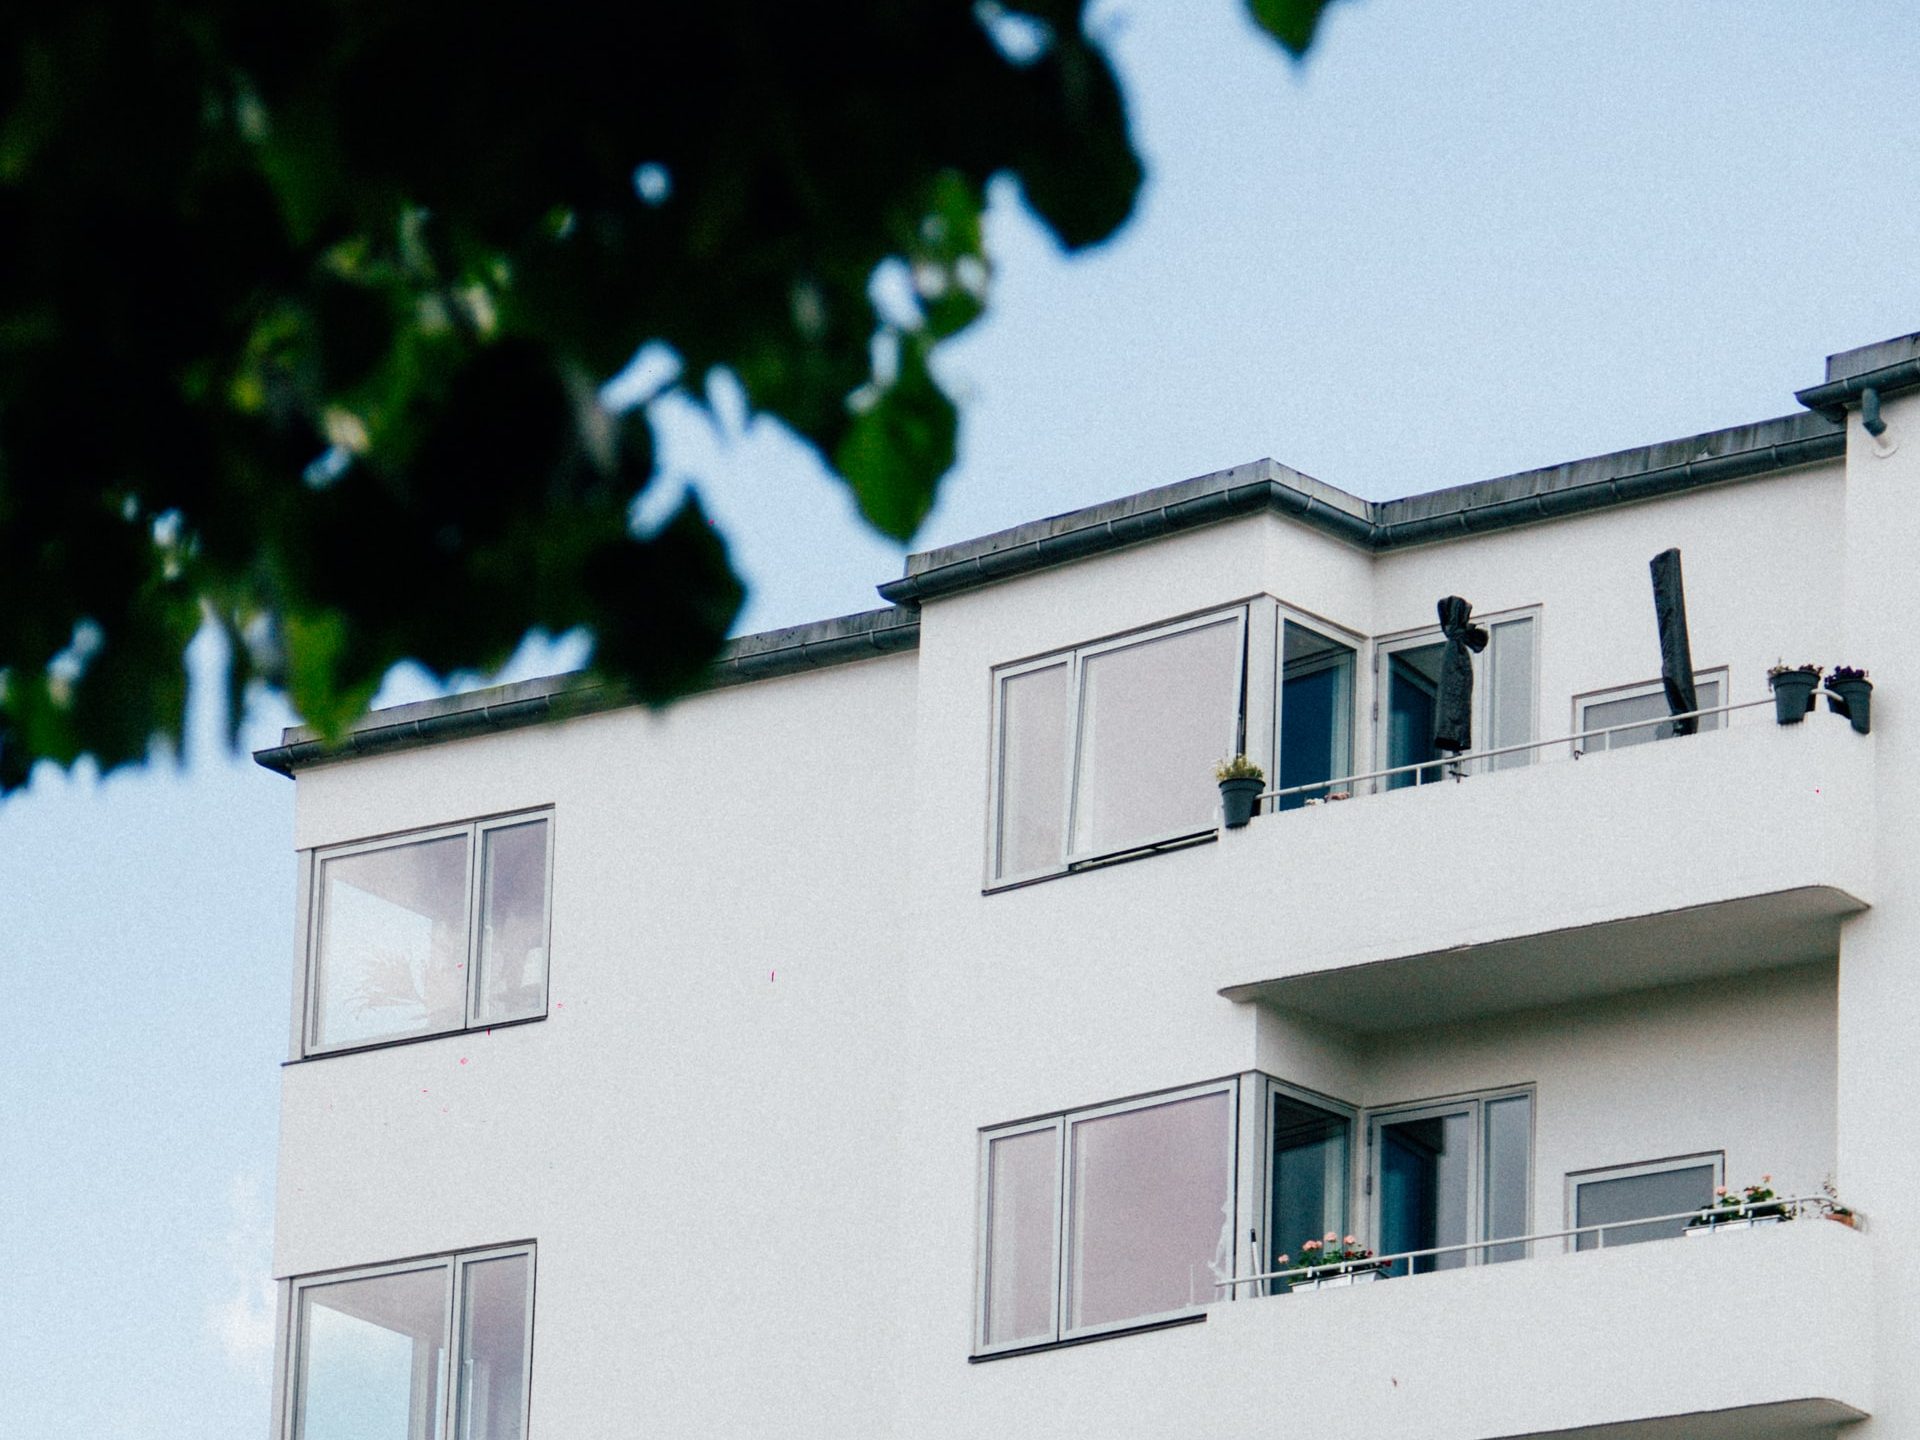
<point x="788" y="1003"/>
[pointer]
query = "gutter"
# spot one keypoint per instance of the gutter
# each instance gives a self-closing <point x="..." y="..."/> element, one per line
<point x="1835" y="397"/>
<point x="796" y="650"/>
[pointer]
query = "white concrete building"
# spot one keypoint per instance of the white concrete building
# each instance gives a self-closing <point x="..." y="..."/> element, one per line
<point x="891" y="1041"/>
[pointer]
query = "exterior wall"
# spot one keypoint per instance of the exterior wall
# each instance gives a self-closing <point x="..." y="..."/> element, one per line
<point x="1879" y="1022"/>
<point x="702" y="1136"/>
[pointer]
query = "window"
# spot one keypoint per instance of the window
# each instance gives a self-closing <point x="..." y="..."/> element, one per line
<point x="429" y="933"/>
<point x="1452" y="1173"/>
<point x="1310" y="1154"/>
<point x="1648" y="702"/>
<point x="1106" y="1218"/>
<point x="1111" y="747"/>
<point x="1628" y="1192"/>
<point x="413" y="1351"/>
<point x="1316" y="711"/>
<point x="1504" y="690"/>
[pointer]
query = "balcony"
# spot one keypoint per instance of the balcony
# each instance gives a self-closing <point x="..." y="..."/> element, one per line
<point x="1707" y="855"/>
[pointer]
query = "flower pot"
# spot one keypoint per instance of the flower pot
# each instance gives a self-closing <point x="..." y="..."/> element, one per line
<point x="1238" y="798"/>
<point x="1853" y="699"/>
<point x="1336" y="1281"/>
<point x="1747" y="1222"/>
<point x="1793" y="695"/>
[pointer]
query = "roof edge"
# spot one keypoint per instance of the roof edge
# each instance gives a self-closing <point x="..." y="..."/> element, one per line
<point x="763" y="656"/>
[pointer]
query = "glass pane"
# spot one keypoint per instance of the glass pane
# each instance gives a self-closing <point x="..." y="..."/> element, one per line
<point x="1509" y="1167"/>
<point x="1510" y="691"/>
<point x="1154" y="719"/>
<point x="1152" y="1210"/>
<point x="373" y="1354"/>
<point x="1033" y="772"/>
<point x="513" y="923"/>
<point x="1426" y="1189"/>
<point x="1316" y="703"/>
<point x="493" y="1350"/>
<point x="1023" y="1232"/>
<point x="1651" y="708"/>
<point x="1310" y="1156"/>
<point x="1662" y="1192"/>
<point x="1413" y="684"/>
<point x="393" y="943"/>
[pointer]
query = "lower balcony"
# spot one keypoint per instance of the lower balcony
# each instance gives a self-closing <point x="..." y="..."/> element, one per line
<point x="1761" y="1332"/>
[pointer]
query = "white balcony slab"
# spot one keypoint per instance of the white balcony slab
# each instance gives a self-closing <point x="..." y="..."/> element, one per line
<point x="1663" y="863"/>
<point x="1762" y="1334"/>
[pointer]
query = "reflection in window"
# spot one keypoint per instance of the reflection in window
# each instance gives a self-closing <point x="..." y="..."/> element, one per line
<point x="1503" y="702"/>
<point x="1152" y="1216"/>
<point x="1112" y="747"/>
<point x="395" y="953"/>
<point x="1023" y="1228"/>
<point x="1413" y="689"/>
<point x="1452" y="1175"/>
<point x="372" y="1358"/>
<point x="1316" y="708"/>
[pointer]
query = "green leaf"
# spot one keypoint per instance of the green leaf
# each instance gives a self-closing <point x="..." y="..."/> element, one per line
<point x="901" y="445"/>
<point x="1291" y="22"/>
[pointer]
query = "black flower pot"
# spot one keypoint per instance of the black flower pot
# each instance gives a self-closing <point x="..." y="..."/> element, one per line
<point x="1793" y="695"/>
<point x="1853" y="699"/>
<point x="1237" y="799"/>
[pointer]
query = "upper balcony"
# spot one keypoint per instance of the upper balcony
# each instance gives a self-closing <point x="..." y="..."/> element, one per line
<point x="1577" y="875"/>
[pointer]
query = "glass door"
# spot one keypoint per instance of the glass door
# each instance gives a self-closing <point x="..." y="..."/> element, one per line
<point x="1316" y="709"/>
<point x="1311" y="1153"/>
<point x="1413" y="687"/>
<point x="1452" y="1173"/>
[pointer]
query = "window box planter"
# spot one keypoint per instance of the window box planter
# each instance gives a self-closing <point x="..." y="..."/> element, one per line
<point x="1337" y="1279"/>
<point x="1698" y="1228"/>
<point x="1793" y="692"/>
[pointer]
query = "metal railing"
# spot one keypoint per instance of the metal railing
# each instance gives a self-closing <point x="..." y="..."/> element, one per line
<point x="1791" y="1208"/>
<point x="1458" y="767"/>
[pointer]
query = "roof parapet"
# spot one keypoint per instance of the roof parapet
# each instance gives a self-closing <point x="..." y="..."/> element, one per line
<point x="763" y="656"/>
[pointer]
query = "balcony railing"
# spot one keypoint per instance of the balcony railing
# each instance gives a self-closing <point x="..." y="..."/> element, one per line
<point x="1521" y="1246"/>
<point x="1479" y="762"/>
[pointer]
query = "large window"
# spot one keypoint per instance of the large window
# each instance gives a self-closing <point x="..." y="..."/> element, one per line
<point x="429" y="933"/>
<point x="1504" y="698"/>
<point x="1316" y="712"/>
<point x="1449" y="1174"/>
<point x="1630" y="1192"/>
<point x="1111" y="747"/>
<point x="1309" y="1156"/>
<point x="1644" y="708"/>
<point x="413" y="1351"/>
<point x="1106" y="1218"/>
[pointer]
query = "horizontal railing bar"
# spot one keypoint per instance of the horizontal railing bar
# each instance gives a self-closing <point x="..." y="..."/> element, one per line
<point x="1747" y="1210"/>
<point x="1468" y="755"/>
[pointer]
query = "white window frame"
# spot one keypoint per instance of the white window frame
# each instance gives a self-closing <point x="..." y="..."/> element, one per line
<point x="1384" y="646"/>
<point x="1576" y="1178"/>
<point x="1635" y="691"/>
<point x="1063" y="1124"/>
<point x="1270" y="1088"/>
<point x="1335" y="634"/>
<point x="292" y="1423"/>
<point x="1075" y="660"/>
<point x="1475" y="1101"/>
<point x="475" y="832"/>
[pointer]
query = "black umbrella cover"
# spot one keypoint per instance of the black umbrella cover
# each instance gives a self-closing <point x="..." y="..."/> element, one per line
<point x="1676" y="654"/>
<point x="1453" y="706"/>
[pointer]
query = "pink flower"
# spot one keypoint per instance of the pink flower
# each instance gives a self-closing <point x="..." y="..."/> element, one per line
<point x="1349" y="1241"/>
<point x="1719" y="1189"/>
<point x="1309" y="1245"/>
<point x="1332" y="1236"/>
<point x="1766" y="1179"/>
<point x="1281" y="1261"/>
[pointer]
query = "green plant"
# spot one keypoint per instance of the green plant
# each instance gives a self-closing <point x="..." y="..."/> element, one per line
<point x="1238" y="768"/>
<point x="1782" y="668"/>
<point x="1753" y="1202"/>
<point x="1334" y="1254"/>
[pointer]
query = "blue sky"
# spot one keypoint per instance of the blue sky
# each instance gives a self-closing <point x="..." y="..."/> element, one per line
<point x="1462" y="240"/>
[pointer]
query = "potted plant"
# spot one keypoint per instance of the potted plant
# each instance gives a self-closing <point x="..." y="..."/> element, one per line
<point x="1742" y="1210"/>
<point x="1331" y="1262"/>
<point x="1793" y="687"/>
<point x="1850" y="693"/>
<point x="1241" y="782"/>
<point x="1832" y="1209"/>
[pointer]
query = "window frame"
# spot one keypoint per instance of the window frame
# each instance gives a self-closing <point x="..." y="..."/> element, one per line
<point x="1717" y="674"/>
<point x="1075" y="658"/>
<point x="294" y="1339"/>
<point x="1478" y="1199"/>
<point x="1358" y="677"/>
<point x="475" y="831"/>
<point x="1272" y="1088"/>
<point x="1574" y="1179"/>
<point x="1387" y="644"/>
<point x="1063" y="1122"/>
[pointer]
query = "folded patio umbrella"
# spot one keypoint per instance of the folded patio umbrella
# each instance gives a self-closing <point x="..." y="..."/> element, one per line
<point x="1453" y="704"/>
<point x="1676" y="654"/>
